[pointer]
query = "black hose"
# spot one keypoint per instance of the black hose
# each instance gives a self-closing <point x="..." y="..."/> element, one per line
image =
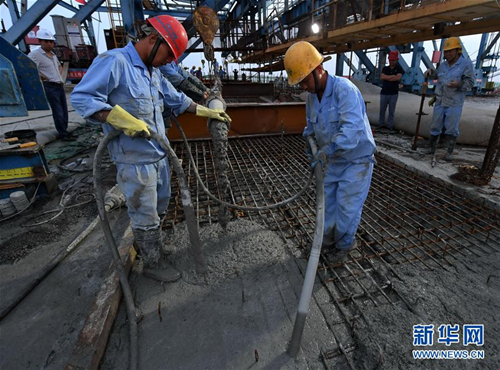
<point x="234" y="206"/>
<point x="110" y="241"/>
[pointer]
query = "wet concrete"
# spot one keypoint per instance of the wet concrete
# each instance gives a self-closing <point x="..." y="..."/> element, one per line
<point x="243" y="311"/>
<point x="218" y="132"/>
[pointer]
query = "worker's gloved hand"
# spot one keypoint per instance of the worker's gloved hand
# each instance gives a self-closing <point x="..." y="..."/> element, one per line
<point x="320" y="157"/>
<point x="217" y="114"/>
<point x="120" y="119"/>
<point x="432" y="101"/>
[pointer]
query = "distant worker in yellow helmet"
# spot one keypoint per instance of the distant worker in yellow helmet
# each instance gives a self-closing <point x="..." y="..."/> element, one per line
<point x="455" y="77"/>
<point x="336" y="117"/>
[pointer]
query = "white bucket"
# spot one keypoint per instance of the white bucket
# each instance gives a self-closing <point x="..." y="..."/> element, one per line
<point x="6" y="207"/>
<point x="19" y="200"/>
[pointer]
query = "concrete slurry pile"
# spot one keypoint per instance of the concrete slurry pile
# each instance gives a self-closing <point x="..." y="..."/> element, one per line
<point x="244" y="247"/>
<point x="219" y="131"/>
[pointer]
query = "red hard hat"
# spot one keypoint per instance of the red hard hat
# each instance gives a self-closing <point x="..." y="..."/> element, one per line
<point x="394" y="55"/>
<point x="172" y="32"/>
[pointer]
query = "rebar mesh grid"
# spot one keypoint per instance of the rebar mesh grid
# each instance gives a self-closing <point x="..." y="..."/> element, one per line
<point x="406" y="219"/>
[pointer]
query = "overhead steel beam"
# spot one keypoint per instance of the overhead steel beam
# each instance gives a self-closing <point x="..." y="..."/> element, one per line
<point x="14" y="16"/>
<point x="490" y="46"/>
<point x="29" y="20"/>
<point x="174" y="13"/>
<point x="336" y="40"/>
<point x="365" y="60"/>
<point x="86" y="11"/>
<point x="68" y="7"/>
<point x="194" y="45"/>
<point x="132" y="12"/>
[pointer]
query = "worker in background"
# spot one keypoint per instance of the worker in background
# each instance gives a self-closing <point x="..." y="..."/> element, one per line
<point x="185" y="82"/>
<point x="235" y="72"/>
<point x="193" y="70"/>
<point x="50" y="72"/>
<point x="199" y="74"/>
<point x="336" y="117"/>
<point x="221" y="73"/>
<point x="123" y="89"/>
<point x="455" y="76"/>
<point x="391" y="76"/>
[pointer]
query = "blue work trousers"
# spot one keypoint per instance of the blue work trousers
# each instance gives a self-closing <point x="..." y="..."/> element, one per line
<point x="346" y="189"/>
<point x="57" y="100"/>
<point x="387" y="100"/>
<point x="147" y="190"/>
<point x="447" y="117"/>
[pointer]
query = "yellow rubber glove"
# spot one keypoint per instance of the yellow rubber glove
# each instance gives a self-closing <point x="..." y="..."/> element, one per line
<point x="217" y="114"/>
<point x="122" y="120"/>
<point x="432" y="101"/>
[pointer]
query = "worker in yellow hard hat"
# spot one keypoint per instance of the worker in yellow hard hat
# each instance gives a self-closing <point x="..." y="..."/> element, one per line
<point x="336" y="117"/>
<point x="455" y="76"/>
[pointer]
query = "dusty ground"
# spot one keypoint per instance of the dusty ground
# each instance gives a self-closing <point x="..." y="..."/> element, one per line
<point x="40" y="332"/>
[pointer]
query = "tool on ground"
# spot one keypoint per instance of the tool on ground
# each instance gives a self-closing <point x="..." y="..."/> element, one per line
<point x="8" y="146"/>
<point x="423" y="91"/>
<point x="10" y="140"/>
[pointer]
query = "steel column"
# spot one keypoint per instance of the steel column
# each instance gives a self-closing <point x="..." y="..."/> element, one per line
<point x="29" y="20"/>
<point x="14" y="16"/>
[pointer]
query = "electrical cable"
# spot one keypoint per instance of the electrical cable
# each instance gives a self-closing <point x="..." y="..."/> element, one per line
<point x="62" y="203"/>
<point x="24" y="209"/>
<point x="166" y="146"/>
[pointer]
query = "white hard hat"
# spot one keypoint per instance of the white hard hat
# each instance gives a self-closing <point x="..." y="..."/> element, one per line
<point x="45" y="35"/>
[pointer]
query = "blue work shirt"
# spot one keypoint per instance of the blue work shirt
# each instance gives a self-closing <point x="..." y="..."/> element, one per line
<point x="461" y="71"/>
<point x="174" y="73"/>
<point x="339" y="123"/>
<point x="119" y="76"/>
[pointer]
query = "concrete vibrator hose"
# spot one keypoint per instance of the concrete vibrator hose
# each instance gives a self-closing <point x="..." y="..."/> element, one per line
<point x="110" y="240"/>
<point x="195" y="239"/>
<point x="312" y="265"/>
<point x="213" y="197"/>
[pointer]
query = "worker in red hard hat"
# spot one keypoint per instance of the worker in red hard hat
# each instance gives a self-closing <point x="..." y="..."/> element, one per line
<point x="391" y="77"/>
<point x="124" y="90"/>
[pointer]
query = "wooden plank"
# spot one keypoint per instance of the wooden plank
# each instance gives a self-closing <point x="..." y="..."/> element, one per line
<point x="472" y="28"/>
<point x="91" y="343"/>
<point x="469" y="8"/>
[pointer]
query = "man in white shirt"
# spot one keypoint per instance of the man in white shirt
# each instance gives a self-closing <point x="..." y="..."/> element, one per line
<point x="50" y="71"/>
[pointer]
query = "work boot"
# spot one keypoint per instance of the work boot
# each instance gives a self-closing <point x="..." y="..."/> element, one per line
<point x="432" y="145"/>
<point x="164" y="273"/>
<point x="450" y="143"/>
<point x="328" y="244"/>
<point x="338" y="256"/>
<point x="149" y="242"/>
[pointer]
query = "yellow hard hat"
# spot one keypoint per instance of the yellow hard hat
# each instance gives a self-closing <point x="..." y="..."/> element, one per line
<point x="452" y="43"/>
<point x="301" y="59"/>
